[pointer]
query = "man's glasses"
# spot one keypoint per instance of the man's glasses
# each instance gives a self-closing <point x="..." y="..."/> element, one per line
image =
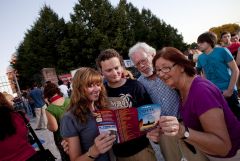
<point x="165" y="69"/>
<point x="142" y="62"/>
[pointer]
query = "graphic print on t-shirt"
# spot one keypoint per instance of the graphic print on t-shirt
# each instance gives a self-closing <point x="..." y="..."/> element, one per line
<point x="123" y="101"/>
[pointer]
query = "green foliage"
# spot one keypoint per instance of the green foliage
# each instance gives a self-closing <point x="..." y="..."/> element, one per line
<point x="39" y="48"/>
<point x="94" y="26"/>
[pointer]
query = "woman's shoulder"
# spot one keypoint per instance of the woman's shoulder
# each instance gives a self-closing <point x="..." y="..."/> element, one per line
<point x="203" y="86"/>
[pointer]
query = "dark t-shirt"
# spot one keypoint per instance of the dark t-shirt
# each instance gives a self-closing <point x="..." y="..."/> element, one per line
<point x="131" y="94"/>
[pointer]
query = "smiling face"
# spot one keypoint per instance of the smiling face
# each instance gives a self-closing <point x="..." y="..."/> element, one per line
<point x="92" y="91"/>
<point x="168" y="71"/>
<point x="143" y="62"/>
<point x="112" y="70"/>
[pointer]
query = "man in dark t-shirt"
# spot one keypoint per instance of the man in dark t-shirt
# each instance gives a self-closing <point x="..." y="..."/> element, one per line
<point x="124" y="93"/>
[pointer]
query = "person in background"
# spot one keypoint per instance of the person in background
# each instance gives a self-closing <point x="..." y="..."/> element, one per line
<point x="40" y="107"/>
<point x="63" y="88"/>
<point x="31" y="102"/>
<point x="58" y="105"/>
<point x="69" y="87"/>
<point x="14" y="143"/>
<point x="208" y="123"/>
<point x="231" y="46"/>
<point x="46" y="99"/>
<point x="216" y="64"/>
<point x="26" y="104"/>
<point x="78" y="125"/>
<point x="235" y="37"/>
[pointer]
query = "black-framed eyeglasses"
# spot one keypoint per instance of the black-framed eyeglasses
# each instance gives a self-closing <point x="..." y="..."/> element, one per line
<point x="165" y="69"/>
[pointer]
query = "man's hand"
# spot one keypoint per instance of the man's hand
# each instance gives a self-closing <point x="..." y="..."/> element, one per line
<point x="227" y="93"/>
<point x="65" y="146"/>
<point x="154" y="135"/>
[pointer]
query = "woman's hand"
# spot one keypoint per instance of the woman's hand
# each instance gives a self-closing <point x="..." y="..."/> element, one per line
<point x="169" y="125"/>
<point x="102" y="143"/>
<point x="154" y="135"/>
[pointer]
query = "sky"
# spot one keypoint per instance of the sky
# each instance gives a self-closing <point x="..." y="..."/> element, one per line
<point x="190" y="18"/>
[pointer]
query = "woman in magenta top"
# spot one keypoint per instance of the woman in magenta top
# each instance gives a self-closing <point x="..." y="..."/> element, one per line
<point x="208" y="123"/>
<point x="14" y="144"/>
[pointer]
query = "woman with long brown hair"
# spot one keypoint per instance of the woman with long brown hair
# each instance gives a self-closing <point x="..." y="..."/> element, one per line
<point x="78" y="125"/>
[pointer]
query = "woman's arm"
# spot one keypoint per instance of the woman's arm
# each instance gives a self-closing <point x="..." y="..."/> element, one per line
<point x="102" y="144"/>
<point x="52" y="122"/>
<point x="215" y="139"/>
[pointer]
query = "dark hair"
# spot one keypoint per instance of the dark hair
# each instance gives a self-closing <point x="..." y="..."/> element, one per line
<point x="224" y="33"/>
<point x="106" y="55"/>
<point x="176" y="56"/>
<point x="50" y="90"/>
<point x="60" y="82"/>
<point x="48" y="82"/>
<point x="234" y="34"/>
<point x="24" y="94"/>
<point x="209" y="37"/>
<point x="7" y="127"/>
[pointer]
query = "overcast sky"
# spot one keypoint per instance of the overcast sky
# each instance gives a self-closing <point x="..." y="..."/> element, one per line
<point x="191" y="18"/>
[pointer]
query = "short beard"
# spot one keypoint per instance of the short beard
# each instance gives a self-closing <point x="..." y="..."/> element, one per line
<point x="148" y="74"/>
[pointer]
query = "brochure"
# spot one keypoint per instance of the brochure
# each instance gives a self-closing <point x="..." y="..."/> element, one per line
<point x="128" y="123"/>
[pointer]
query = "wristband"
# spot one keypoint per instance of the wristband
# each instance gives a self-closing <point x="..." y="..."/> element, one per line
<point x="89" y="155"/>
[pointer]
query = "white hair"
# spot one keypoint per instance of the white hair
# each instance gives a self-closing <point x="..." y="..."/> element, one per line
<point x="141" y="46"/>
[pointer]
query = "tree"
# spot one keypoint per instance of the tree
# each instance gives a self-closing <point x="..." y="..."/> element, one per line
<point x="92" y="17"/>
<point x="39" y="48"/>
<point x="95" y="25"/>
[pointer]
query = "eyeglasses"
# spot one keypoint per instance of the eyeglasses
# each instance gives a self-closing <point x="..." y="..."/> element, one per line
<point x="165" y="69"/>
<point x="143" y="61"/>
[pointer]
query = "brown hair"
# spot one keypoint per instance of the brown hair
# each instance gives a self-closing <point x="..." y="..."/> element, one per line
<point x="7" y="126"/>
<point x="106" y="55"/>
<point x="208" y="37"/>
<point x="176" y="56"/>
<point x="50" y="90"/>
<point x="79" y="102"/>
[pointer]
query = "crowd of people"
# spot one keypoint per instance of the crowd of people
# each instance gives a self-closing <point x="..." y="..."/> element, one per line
<point x="198" y="95"/>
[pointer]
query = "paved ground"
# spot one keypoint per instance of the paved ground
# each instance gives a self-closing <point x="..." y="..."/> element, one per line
<point x="47" y="136"/>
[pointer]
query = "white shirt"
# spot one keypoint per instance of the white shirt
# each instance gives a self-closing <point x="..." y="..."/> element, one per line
<point x="64" y="89"/>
